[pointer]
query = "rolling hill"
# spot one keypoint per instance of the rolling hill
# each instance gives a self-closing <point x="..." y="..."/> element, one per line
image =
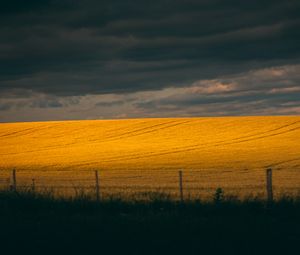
<point x="229" y="151"/>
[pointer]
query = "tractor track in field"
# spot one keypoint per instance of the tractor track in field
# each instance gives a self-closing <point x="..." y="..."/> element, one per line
<point x="157" y="127"/>
<point x="31" y="131"/>
<point x="18" y="132"/>
<point x="237" y="140"/>
<point x="283" y="162"/>
<point x="142" y="131"/>
<point x="145" y="130"/>
<point x="261" y="135"/>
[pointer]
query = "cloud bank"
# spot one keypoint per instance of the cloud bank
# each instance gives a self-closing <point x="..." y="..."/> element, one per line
<point x="110" y="59"/>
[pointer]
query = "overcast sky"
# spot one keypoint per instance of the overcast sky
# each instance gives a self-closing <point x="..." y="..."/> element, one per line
<point x="104" y="59"/>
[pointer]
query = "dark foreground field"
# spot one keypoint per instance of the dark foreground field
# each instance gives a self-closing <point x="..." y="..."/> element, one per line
<point x="40" y="224"/>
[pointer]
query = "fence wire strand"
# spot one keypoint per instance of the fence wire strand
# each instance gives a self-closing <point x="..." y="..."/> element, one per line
<point x="196" y="183"/>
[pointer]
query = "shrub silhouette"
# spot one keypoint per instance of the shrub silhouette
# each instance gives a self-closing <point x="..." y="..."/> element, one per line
<point x="219" y="195"/>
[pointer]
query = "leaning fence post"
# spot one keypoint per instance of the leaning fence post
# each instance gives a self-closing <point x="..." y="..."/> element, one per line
<point x="97" y="186"/>
<point x="13" y="186"/>
<point x="269" y="185"/>
<point x="180" y="186"/>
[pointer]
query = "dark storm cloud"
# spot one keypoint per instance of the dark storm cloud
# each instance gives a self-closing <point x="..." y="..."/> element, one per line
<point x="87" y="47"/>
<point x="111" y="103"/>
<point x="265" y="91"/>
<point x="34" y="100"/>
<point x="194" y="100"/>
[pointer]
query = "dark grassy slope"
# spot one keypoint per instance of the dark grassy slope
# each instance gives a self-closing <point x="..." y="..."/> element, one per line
<point x="39" y="224"/>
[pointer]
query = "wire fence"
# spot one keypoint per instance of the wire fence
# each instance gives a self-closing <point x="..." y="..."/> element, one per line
<point x="179" y="185"/>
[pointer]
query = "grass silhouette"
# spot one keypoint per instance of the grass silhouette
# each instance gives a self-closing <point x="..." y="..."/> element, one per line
<point x="43" y="223"/>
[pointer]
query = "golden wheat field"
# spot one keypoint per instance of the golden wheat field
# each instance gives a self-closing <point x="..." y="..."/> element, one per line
<point x="144" y="154"/>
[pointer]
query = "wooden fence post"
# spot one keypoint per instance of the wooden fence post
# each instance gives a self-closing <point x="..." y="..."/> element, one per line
<point x="180" y="186"/>
<point x="13" y="186"/>
<point x="97" y="186"/>
<point x="269" y="185"/>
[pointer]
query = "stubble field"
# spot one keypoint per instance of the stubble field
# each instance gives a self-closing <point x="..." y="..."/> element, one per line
<point x="145" y="154"/>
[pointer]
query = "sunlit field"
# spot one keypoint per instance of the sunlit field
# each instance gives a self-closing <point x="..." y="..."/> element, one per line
<point x="146" y="154"/>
